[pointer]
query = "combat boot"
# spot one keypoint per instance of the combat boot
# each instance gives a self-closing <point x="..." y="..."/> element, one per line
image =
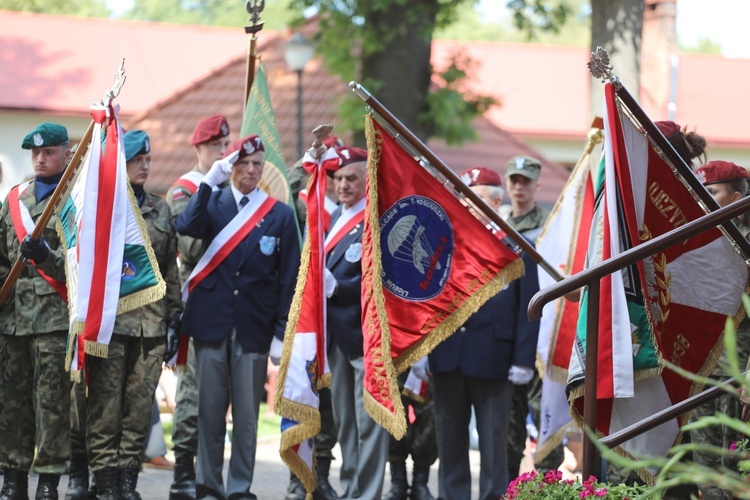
<point x="324" y="490"/>
<point x="399" y="484"/>
<point x="78" y="479"/>
<point x="419" y="489"/>
<point x="46" y="488"/>
<point x="107" y="483"/>
<point x="295" y="490"/>
<point x="183" y="487"/>
<point x="15" y="485"/>
<point x="129" y="482"/>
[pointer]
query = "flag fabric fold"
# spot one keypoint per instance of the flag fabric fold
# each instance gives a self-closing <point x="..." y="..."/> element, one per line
<point x="304" y="364"/>
<point x="110" y="265"/>
<point x="670" y="306"/>
<point x="563" y="243"/>
<point x="427" y="265"/>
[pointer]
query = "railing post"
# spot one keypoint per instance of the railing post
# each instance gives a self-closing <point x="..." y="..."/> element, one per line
<point x="589" y="399"/>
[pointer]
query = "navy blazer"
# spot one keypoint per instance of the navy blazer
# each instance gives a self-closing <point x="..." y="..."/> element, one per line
<point x="496" y="337"/>
<point x="252" y="289"/>
<point x="345" y="308"/>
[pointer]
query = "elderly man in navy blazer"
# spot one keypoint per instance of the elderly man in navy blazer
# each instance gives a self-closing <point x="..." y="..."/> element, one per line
<point x="364" y="444"/>
<point x="475" y="367"/>
<point x="238" y="299"/>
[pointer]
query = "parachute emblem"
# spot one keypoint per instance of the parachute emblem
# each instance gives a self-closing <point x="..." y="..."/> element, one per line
<point x="407" y="242"/>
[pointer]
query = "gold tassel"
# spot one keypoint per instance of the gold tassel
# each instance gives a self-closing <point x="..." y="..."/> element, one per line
<point x="98" y="349"/>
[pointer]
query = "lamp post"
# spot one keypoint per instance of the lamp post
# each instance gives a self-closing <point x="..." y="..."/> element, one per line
<point x="297" y="52"/>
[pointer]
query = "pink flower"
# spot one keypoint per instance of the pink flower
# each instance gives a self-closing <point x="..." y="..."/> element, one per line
<point x="552" y="476"/>
<point x="600" y="492"/>
<point x="733" y="446"/>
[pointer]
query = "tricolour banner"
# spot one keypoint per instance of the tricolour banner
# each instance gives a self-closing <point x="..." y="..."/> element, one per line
<point x="427" y="265"/>
<point x="670" y="306"/>
<point x="304" y="365"/>
<point x="110" y="265"/>
<point x="563" y="243"/>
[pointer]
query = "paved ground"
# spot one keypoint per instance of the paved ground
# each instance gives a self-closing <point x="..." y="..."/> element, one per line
<point x="272" y="476"/>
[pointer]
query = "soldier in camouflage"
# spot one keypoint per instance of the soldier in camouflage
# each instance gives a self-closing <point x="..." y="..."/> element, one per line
<point x="210" y="140"/>
<point x="121" y="387"/>
<point x="527" y="217"/>
<point x="34" y="386"/>
<point x="727" y="183"/>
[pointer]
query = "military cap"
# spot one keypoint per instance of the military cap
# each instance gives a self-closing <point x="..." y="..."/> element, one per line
<point x="246" y="146"/>
<point x="668" y="128"/>
<point x="46" y="134"/>
<point x="332" y="142"/>
<point x="717" y="171"/>
<point x="348" y="155"/>
<point x="210" y="128"/>
<point x="481" y="176"/>
<point x="525" y="166"/>
<point x="136" y="143"/>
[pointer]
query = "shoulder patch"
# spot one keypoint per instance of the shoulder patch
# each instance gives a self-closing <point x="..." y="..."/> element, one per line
<point x="178" y="194"/>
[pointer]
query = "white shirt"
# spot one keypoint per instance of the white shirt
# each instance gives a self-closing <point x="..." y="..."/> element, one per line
<point x="238" y="195"/>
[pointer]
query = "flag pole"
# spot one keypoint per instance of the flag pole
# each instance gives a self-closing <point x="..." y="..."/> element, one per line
<point x="254" y="8"/>
<point x="62" y="186"/>
<point x="600" y="68"/>
<point x="449" y="174"/>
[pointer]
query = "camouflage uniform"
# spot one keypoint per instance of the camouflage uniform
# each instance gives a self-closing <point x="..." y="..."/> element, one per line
<point x="420" y="441"/>
<point x="34" y="386"/>
<point x="529" y="225"/>
<point x="727" y="404"/>
<point x="185" y="419"/>
<point x="121" y="387"/>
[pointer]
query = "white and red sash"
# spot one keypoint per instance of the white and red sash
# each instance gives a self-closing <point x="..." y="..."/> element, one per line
<point x="189" y="182"/>
<point x="258" y="206"/>
<point x="24" y="225"/>
<point x="344" y="224"/>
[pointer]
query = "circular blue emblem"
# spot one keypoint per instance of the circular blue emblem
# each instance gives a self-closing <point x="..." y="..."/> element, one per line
<point x="416" y="238"/>
<point x="128" y="270"/>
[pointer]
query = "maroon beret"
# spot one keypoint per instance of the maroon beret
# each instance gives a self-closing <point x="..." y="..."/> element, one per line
<point x="668" y="128"/>
<point x="210" y="128"/>
<point x="481" y="176"/>
<point x="349" y="155"/>
<point x="332" y="142"/>
<point x="720" y="171"/>
<point x="246" y="146"/>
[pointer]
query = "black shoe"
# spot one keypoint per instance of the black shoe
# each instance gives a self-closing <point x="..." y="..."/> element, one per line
<point x="15" y="485"/>
<point x="46" y="488"/>
<point x="107" y="483"/>
<point x="399" y="485"/>
<point x="419" y="489"/>
<point x="324" y="490"/>
<point x="183" y="487"/>
<point x="78" y="479"/>
<point x="129" y="482"/>
<point x="296" y="490"/>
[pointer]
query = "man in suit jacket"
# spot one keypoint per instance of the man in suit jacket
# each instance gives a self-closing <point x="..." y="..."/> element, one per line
<point x="239" y="297"/>
<point x="475" y="367"/>
<point x="364" y="444"/>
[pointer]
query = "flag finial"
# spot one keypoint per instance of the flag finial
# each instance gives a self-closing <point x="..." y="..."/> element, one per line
<point x="600" y="67"/>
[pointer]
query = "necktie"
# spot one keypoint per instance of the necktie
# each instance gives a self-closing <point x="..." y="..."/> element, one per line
<point x="243" y="202"/>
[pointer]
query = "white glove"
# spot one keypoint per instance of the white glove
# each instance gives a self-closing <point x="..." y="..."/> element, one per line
<point x="221" y="170"/>
<point x="520" y="375"/>
<point x="277" y="347"/>
<point x="421" y="369"/>
<point x="329" y="282"/>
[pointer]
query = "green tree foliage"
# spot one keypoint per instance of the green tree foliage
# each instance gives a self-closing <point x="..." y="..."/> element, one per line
<point x="83" y="8"/>
<point x="702" y="46"/>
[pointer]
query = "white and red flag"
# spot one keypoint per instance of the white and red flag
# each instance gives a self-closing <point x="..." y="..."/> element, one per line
<point x="304" y="365"/>
<point x="670" y="306"/>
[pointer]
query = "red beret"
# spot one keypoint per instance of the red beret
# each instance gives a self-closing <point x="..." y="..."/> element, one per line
<point x="667" y="128"/>
<point x="246" y="146"/>
<point x="208" y="129"/>
<point x="720" y="171"/>
<point x="481" y="176"/>
<point x="349" y="155"/>
<point x="332" y="142"/>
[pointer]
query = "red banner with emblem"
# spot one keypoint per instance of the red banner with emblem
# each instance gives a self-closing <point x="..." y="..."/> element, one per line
<point x="427" y="265"/>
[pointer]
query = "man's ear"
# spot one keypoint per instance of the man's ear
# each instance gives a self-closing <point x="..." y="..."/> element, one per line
<point x="538" y="185"/>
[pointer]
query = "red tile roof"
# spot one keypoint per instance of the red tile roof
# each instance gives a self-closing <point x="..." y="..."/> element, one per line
<point x="61" y="63"/>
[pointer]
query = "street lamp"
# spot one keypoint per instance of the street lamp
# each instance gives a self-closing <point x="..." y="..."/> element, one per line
<point x="297" y="52"/>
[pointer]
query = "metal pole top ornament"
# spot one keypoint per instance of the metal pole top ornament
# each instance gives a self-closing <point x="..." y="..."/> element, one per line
<point x="254" y="8"/>
<point x="601" y="69"/>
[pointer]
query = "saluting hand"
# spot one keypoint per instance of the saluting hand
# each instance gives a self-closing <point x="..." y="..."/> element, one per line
<point x="221" y="170"/>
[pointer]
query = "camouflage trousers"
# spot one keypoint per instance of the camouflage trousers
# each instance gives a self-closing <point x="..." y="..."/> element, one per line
<point x="519" y="408"/>
<point x="185" y="419"/>
<point x="118" y="404"/>
<point x="325" y="440"/>
<point x="420" y="440"/>
<point x="34" y="403"/>
<point x="719" y="436"/>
